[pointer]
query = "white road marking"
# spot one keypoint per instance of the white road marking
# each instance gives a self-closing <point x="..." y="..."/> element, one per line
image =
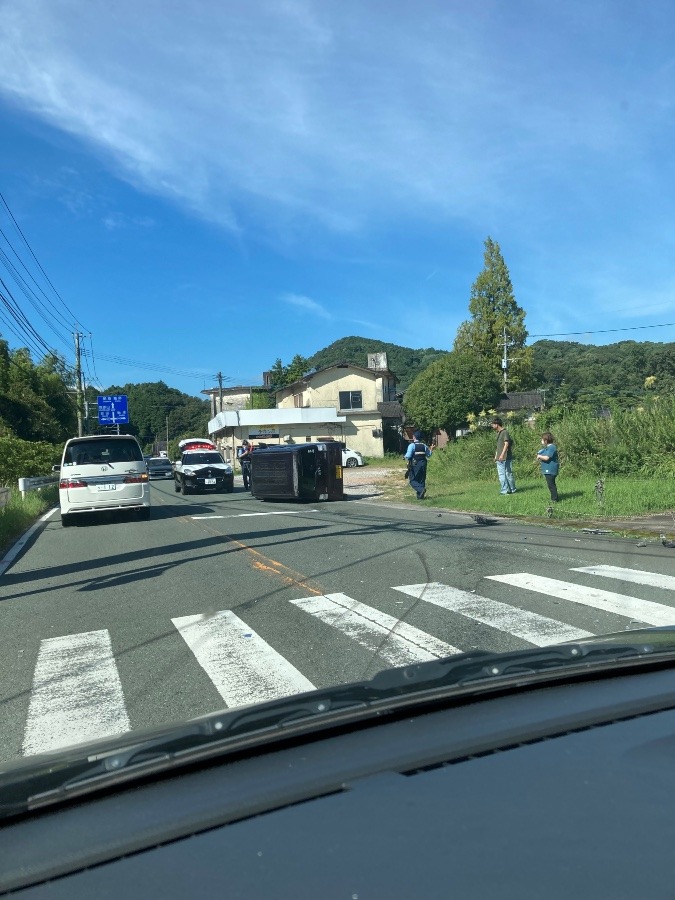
<point x="531" y="627"/>
<point x="635" y="576"/>
<point x="242" y="666"/>
<point x="622" y="605"/>
<point x="77" y="695"/>
<point x="16" y="548"/>
<point x="285" y="512"/>
<point x="394" y="641"/>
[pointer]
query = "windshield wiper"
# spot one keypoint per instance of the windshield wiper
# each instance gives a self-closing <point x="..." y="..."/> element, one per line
<point x="34" y="783"/>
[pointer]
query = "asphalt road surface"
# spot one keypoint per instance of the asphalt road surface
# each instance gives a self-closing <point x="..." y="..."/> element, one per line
<point x="222" y="600"/>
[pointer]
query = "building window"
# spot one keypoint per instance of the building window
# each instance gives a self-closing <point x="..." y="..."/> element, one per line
<point x="297" y="400"/>
<point x="351" y="400"/>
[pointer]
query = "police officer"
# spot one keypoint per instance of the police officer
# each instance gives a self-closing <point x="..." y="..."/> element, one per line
<point x="417" y="455"/>
<point x="244" y="457"/>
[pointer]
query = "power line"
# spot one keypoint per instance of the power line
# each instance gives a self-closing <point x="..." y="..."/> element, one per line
<point x="71" y="314"/>
<point x="169" y="370"/>
<point x="603" y="331"/>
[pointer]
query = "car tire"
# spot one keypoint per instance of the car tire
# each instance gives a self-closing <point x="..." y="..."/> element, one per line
<point x="143" y="513"/>
<point x="176" y="485"/>
<point x="351" y="463"/>
<point x="184" y="489"/>
<point x="66" y="520"/>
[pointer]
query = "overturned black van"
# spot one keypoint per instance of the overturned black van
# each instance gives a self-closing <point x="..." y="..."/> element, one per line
<point x="298" y="472"/>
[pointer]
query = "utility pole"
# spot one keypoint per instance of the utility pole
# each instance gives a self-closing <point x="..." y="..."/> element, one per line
<point x="505" y="358"/>
<point x="79" y="393"/>
<point x="219" y="376"/>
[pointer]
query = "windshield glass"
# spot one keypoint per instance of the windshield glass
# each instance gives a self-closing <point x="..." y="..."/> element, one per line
<point x="435" y="238"/>
<point x="193" y="459"/>
<point x="101" y="450"/>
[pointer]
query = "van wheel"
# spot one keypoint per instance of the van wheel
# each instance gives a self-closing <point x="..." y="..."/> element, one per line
<point x="66" y="520"/>
<point x="143" y="513"/>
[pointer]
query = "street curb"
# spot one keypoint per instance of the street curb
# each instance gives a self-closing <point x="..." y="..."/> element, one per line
<point x="17" y="547"/>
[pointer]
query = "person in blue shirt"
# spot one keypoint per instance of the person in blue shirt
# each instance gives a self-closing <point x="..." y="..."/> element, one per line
<point x="548" y="461"/>
<point x="417" y="455"/>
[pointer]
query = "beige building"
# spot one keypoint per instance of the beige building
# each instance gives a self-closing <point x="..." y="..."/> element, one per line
<point x="355" y="392"/>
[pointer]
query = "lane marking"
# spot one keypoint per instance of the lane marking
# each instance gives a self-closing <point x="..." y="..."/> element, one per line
<point x="529" y="626"/>
<point x="242" y="666"/>
<point x="14" y="551"/>
<point x="77" y="694"/>
<point x="394" y="641"/>
<point x="286" y="512"/>
<point x="622" y="605"/>
<point x="635" y="576"/>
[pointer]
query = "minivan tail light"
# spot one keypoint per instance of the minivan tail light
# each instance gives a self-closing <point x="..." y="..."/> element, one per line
<point x="136" y="479"/>
<point x="68" y="484"/>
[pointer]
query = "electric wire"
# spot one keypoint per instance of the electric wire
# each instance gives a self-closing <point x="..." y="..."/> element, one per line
<point x="71" y="314"/>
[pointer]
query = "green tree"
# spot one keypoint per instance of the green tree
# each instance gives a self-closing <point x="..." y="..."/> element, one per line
<point x="449" y="390"/>
<point x="493" y="310"/>
<point x="281" y="375"/>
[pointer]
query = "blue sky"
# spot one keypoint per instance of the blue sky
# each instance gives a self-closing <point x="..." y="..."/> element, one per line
<point x="212" y="185"/>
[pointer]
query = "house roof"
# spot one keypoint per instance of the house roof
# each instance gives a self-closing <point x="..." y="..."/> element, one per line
<point x="390" y="409"/>
<point x="341" y="365"/>
<point x="520" y="400"/>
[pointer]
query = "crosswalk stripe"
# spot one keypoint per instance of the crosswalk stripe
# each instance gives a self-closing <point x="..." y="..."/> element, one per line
<point x="531" y="627"/>
<point x="622" y="605"/>
<point x="394" y="641"/>
<point x="635" y="576"/>
<point x="77" y="695"/>
<point x="242" y="666"/>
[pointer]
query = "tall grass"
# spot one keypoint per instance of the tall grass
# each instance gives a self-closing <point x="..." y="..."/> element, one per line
<point x="632" y="452"/>
<point x="19" y="514"/>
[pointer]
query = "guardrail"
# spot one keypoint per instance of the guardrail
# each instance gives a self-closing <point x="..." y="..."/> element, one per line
<point x="33" y="484"/>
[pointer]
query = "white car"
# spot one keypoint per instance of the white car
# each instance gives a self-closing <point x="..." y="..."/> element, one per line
<point x="103" y="473"/>
<point x="351" y="458"/>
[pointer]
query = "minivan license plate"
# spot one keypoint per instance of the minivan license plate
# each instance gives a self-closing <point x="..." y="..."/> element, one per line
<point x="107" y="487"/>
<point x="209" y="481"/>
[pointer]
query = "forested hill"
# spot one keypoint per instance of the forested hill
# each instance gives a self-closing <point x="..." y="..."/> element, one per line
<point x="152" y="402"/>
<point x="587" y="373"/>
<point x="404" y="362"/>
<point x="566" y="370"/>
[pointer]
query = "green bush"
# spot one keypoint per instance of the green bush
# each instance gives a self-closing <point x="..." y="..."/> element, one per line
<point x="26" y="459"/>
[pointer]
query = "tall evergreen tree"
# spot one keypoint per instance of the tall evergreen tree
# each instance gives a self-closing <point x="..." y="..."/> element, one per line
<point x="493" y="311"/>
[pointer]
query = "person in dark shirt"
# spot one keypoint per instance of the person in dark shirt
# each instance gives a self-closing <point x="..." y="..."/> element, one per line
<point x="244" y="457"/>
<point x="417" y="455"/>
<point x="504" y="458"/>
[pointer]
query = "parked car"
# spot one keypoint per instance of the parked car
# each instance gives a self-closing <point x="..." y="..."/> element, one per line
<point x="159" y="467"/>
<point x="103" y="473"/>
<point x="351" y="458"/>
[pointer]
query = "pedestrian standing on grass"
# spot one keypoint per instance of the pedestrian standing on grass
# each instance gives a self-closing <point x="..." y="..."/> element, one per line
<point x="548" y="461"/>
<point x="417" y="455"/>
<point x="504" y="458"/>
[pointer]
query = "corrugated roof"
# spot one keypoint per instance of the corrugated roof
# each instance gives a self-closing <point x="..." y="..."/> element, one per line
<point x="521" y="400"/>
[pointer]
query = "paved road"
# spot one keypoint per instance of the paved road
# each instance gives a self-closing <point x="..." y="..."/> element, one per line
<point x="222" y="600"/>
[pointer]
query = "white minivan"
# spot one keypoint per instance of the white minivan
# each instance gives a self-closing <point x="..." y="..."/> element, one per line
<point x="103" y="472"/>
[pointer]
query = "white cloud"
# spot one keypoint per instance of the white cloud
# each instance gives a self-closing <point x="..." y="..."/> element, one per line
<point x="265" y="114"/>
<point x="306" y="304"/>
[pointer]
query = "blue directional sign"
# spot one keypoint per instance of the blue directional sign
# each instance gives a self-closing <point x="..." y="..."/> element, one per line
<point x="113" y="410"/>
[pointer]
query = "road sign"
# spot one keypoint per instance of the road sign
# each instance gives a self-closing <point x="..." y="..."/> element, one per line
<point x="113" y="410"/>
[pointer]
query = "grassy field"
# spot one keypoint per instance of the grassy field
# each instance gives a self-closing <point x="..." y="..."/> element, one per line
<point x="620" y="497"/>
<point x="18" y="514"/>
